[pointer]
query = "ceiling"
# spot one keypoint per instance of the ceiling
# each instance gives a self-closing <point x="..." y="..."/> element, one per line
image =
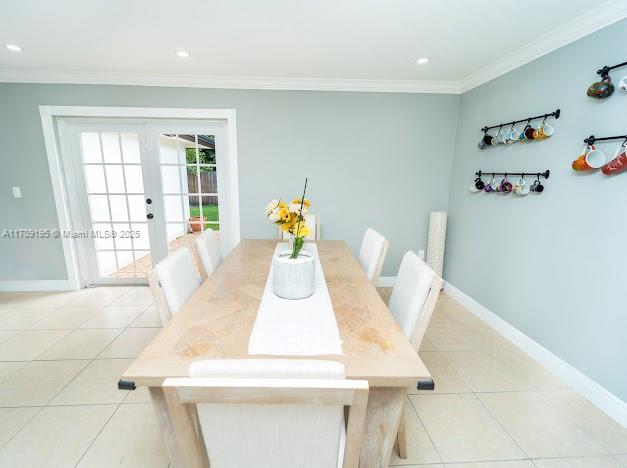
<point x="332" y="43"/>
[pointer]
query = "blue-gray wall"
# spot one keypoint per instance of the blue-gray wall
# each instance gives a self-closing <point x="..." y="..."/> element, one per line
<point x="373" y="159"/>
<point x="552" y="265"/>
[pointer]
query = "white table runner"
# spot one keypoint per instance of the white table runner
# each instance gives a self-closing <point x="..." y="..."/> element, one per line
<point x="304" y="327"/>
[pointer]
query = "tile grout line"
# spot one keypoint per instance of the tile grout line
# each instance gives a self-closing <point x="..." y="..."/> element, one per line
<point x="425" y="429"/>
<point x="501" y="425"/>
<point x="41" y="408"/>
<point x="99" y="432"/>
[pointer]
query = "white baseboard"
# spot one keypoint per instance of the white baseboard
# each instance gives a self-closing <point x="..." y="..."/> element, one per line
<point x="386" y="281"/>
<point x="38" y="285"/>
<point x="579" y="382"/>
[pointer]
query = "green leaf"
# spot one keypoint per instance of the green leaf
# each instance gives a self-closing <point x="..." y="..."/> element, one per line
<point x="298" y="245"/>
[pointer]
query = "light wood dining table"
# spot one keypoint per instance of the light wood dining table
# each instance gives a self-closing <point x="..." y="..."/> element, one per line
<point x="217" y="320"/>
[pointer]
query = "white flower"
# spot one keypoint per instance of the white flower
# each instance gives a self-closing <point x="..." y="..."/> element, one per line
<point x="272" y="207"/>
<point x="274" y="215"/>
<point x="295" y="208"/>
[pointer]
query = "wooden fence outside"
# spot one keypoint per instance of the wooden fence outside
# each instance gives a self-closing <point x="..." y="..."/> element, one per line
<point x="208" y="184"/>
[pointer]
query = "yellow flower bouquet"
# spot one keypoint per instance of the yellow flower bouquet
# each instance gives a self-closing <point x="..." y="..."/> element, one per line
<point x="290" y="217"/>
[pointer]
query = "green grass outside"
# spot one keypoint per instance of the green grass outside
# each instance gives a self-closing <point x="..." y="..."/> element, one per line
<point x="210" y="212"/>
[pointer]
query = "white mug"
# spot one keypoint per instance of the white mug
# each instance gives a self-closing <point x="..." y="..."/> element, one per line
<point x="548" y="129"/>
<point x="622" y="85"/>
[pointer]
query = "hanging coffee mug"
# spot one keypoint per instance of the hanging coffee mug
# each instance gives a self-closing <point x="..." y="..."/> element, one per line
<point x="491" y="186"/>
<point x="521" y="188"/>
<point x="623" y="84"/>
<point x="505" y="186"/>
<point x="618" y="163"/>
<point x="512" y="136"/>
<point x="537" y="186"/>
<point x="529" y="132"/>
<point x="580" y="163"/>
<point x="548" y="130"/>
<point x="601" y="89"/>
<point x="479" y="184"/>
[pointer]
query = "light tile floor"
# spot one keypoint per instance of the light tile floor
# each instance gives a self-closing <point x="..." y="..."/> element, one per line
<point x="61" y="355"/>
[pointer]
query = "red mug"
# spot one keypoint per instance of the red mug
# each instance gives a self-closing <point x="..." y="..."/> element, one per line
<point x="618" y="164"/>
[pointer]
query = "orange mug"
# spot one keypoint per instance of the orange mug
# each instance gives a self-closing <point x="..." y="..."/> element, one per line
<point x="580" y="163"/>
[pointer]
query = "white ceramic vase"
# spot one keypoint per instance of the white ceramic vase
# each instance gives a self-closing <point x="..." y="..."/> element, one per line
<point x="293" y="278"/>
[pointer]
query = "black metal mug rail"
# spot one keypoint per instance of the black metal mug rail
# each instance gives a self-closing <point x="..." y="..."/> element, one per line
<point x="555" y="114"/>
<point x="606" y="70"/>
<point x="591" y="140"/>
<point x="544" y="174"/>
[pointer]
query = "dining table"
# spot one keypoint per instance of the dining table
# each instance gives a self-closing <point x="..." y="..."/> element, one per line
<point x="217" y="320"/>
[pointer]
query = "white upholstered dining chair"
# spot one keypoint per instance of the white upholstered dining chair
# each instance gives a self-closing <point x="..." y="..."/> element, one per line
<point x="266" y="413"/>
<point x="374" y="248"/>
<point x="208" y="252"/>
<point x="172" y="281"/>
<point x="412" y="303"/>
<point x="313" y="221"/>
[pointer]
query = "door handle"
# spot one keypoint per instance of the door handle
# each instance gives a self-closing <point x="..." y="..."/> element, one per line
<point x="150" y="216"/>
<point x="148" y="201"/>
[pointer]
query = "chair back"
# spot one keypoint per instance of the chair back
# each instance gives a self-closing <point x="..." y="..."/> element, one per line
<point x="270" y="413"/>
<point x="208" y="249"/>
<point x="372" y="254"/>
<point x="414" y="297"/>
<point x="172" y="281"/>
<point x="313" y="221"/>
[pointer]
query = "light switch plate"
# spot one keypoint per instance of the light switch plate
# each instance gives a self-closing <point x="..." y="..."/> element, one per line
<point x="17" y="192"/>
<point x="421" y="254"/>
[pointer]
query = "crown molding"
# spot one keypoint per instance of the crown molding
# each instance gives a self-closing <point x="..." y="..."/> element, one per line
<point x="598" y="18"/>
<point x="229" y="82"/>
<point x="604" y="15"/>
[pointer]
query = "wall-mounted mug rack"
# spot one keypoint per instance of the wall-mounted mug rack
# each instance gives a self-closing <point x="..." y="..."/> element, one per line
<point x="544" y="174"/>
<point x="505" y="186"/>
<point x="591" y="140"/>
<point x="555" y="114"/>
<point x="606" y="70"/>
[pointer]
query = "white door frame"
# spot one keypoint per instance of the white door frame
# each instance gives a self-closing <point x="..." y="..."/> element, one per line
<point x="49" y="114"/>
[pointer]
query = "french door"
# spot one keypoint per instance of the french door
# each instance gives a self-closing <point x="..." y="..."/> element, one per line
<point x="139" y="190"/>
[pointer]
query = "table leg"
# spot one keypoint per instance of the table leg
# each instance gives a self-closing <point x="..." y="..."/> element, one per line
<point x="385" y="406"/>
<point x="178" y="428"/>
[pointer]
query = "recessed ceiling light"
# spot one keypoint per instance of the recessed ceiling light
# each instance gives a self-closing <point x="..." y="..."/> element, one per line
<point x="182" y="53"/>
<point x="422" y="61"/>
<point x="13" y="47"/>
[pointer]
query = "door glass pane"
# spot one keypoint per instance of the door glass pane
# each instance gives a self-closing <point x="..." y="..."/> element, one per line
<point x="90" y="147"/>
<point x="140" y="233"/>
<point x="112" y="168"/>
<point x="94" y="178"/>
<point x="111" y="147"/>
<point x="171" y="150"/>
<point x="99" y="208"/>
<point x="172" y="179"/>
<point x="101" y="233"/>
<point x="115" y="179"/>
<point x="107" y="263"/>
<point x="133" y="178"/>
<point x="118" y="207"/>
<point x="130" y="147"/>
<point x="122" y="239"/>
<point x="173" y="205"/>
<point x="137" y="207"/>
